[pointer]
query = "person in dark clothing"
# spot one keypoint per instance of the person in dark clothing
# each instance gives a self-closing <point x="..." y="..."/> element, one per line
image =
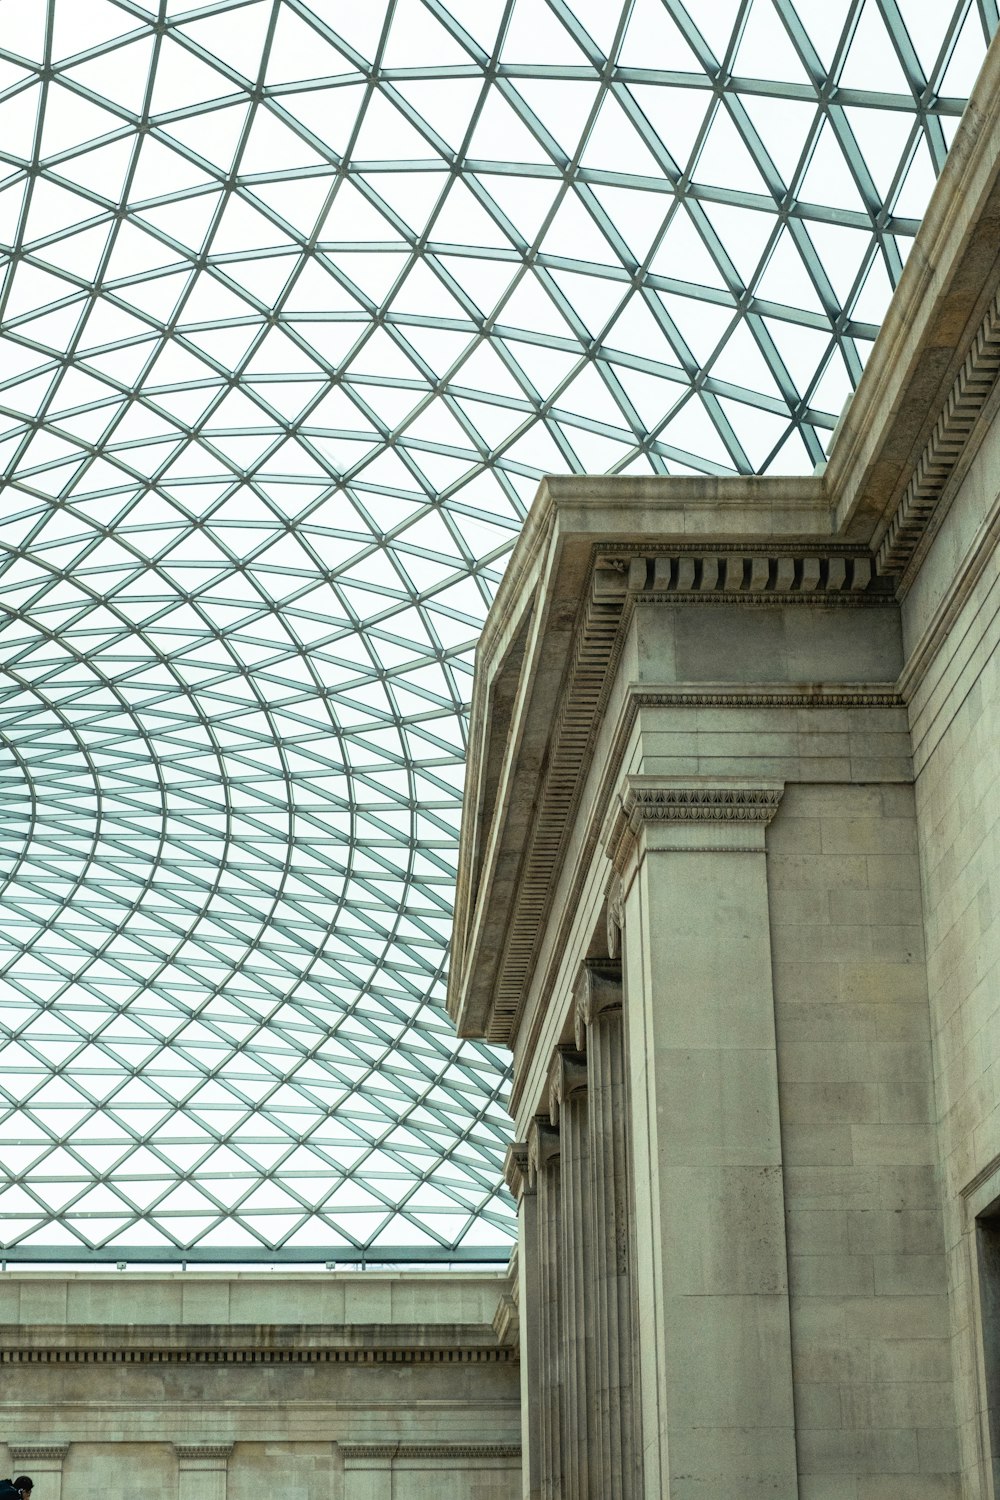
<point x="16" y="1489"/>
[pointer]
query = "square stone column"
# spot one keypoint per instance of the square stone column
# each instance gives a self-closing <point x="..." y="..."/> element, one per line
<point x="714" y="1350"/>
<point x="43" y="1464"/>
<point x="568" y="1110"/>
<point x="202" y="1470"/>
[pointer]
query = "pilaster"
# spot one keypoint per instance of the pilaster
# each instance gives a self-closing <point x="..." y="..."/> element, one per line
<point x="202" y="1470"/>
<point x="43" y="1463"/>
<point x="523" y="1185"/>
<point x="714" y="1350"/>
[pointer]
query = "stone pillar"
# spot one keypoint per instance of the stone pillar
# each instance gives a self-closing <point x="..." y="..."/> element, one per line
<point x="202" y="1470"/>
<point x="544" y="1173"/>
<point x="43" y="1463"/>
<point x="568" y="1110"/>
<point x="529" y="1316"/>
<point x="600" y="1031"/>
<point x="715" y="1369"/>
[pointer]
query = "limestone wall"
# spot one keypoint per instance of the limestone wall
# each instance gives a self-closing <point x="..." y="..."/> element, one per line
<point x="345" y="1386"/>
<point x="952" y="624"/>
<point x="867" y="1277"/>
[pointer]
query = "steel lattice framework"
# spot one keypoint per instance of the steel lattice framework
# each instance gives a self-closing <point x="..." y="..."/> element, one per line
<point x="300" y="300"/>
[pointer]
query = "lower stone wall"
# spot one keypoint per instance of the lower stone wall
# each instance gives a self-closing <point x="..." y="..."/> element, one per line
<point x="296" y="1471"/>
<point x="308" y="1406"/>
<point x="873" y="1396"/>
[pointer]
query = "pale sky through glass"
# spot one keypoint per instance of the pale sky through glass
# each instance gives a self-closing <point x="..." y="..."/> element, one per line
<point x="299" y="301"/>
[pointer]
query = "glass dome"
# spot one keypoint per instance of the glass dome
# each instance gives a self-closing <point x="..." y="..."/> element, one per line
<point x="299" y="302"/>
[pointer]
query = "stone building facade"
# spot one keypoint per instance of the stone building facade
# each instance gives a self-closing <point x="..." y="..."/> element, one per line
<point x="730" y="892"/>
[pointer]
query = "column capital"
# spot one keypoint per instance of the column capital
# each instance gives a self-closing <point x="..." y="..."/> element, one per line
<point x="598" y="993"/>
<point x="543" y="1146"/>
<point x="36" y="1453"/>
<point x="516" y="1169"/>
<point x="691" y="813"/>
<point x="567" y="1077"/>
<point x="615" y="914"/>
<point x="197" y="1453"/>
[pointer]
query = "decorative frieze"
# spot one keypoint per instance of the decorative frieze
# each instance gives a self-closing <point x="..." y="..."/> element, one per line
<point x="188" y="1452"/>
<point x="33" y="1453"/>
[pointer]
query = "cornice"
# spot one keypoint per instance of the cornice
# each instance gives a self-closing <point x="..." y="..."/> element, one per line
<point x="943" y="451"/>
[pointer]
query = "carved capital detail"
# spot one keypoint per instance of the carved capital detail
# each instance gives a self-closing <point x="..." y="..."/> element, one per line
<point x="189" y="1451"/>
<point x="615" y="915"/>
<point x="651" y="799"/>
<point x="567" y="1078"/>
<point x="515" y="1169"/>
<point x="34" y="1453"/>
<point x="543" y="1147"/>
<point x="598" y="993"/>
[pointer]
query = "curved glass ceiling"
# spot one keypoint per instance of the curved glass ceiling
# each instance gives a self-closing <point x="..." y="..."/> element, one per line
<point x="300" y="300"/>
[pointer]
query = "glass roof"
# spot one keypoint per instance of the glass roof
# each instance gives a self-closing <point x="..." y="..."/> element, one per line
<point x="299" y="302"/>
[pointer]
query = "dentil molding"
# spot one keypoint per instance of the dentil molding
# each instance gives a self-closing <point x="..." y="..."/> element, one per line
<point x="429" y="1450"/>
